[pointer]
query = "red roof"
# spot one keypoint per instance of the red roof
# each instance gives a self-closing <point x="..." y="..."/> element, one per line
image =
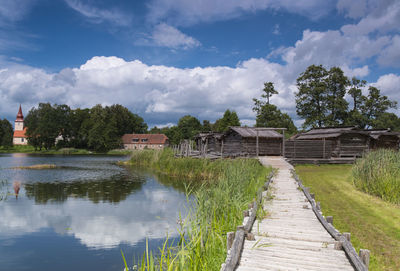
<point x="20" y="133"/>
<point x="141" y="139"/>
<point x="20" y="116"/>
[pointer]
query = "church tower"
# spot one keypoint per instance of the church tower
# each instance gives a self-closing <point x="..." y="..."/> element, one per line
<point x="19" y="129"/>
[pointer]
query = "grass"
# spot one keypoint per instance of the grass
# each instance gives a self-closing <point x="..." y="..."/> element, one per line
<point x="62" y="151"/>
<point x="227" y="187"/>
<point x="373" y="223"/>
<point x="378" y="173"/>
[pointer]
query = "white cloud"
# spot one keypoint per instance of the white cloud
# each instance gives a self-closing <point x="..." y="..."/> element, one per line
<point x="168" y="36"/>
<point x="14" y="10"/>
<point x="192" y="12"/>
<point x="389" y="84"/>
<point x="390" y="56"/>
<point x="97" y="15"/>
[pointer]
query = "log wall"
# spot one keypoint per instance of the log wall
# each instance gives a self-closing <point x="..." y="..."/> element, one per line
<point x="308" y="149"/>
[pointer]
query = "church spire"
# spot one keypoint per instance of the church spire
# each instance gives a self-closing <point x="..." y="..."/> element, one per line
<point x="20" y="116"/>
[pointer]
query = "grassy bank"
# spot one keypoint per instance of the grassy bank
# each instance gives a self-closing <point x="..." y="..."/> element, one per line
<point x="373" y="223"/>
<point x="217" y="209"/>
<point x="378" y="173"/>
<point x="62" y="151"/>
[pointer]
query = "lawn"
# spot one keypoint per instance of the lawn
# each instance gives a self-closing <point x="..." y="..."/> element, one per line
<point x="373" y="223"/>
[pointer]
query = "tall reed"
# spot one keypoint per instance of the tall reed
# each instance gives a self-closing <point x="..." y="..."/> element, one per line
<point x="378" y="173"/>
<point x="217" y="209"/>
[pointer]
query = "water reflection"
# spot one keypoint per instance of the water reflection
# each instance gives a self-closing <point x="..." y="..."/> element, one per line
<point x="123" y="207"/>
<point x="110" y="190"/>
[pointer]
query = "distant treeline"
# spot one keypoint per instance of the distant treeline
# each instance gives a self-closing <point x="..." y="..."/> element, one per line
<point x="189" y="126"/>
<point x="6" y="133"/>
<point x="98" y="128"/>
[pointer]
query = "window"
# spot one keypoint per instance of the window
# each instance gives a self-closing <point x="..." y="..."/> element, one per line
<point x="144" y="139"/>
<point x="22" y="139"/>
<point x="135" y="139"/>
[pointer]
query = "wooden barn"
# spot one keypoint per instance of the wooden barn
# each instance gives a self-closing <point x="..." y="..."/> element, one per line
<point x="343" y="141"/>
<point x="384" y="138"/>
<point x="243" y="141"/>
<point x="210" y="142"/>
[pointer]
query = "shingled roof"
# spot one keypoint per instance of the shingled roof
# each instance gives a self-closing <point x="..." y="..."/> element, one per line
<point x="152" y="139"/>
<point x="252" y="132"/>
<point x="329" y="132"/>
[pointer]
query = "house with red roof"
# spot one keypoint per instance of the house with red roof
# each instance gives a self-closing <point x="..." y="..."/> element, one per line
<point x="19" y="137"/>
<point x="144" y="141"/>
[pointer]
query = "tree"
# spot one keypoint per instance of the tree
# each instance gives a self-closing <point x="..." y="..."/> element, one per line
<point x="311" y="98"/>
<point x="336" y="105"/>
<point x="189" y="126"/>
<point x="270" y="116"/>
<point x="6" y="133"/>
<point x="375" y="105"/>
<point x="230" y="118"/>
<point x="355" y="116"/>
<point x="387" y="120"/>
<point x="206" y="127"/>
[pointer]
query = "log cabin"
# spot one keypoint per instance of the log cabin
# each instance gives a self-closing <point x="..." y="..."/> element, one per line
<point x="144" y="141"/>
<point x="242" y="141"/>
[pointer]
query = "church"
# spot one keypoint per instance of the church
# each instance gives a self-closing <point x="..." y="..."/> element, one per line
<point x="19" y="137"/>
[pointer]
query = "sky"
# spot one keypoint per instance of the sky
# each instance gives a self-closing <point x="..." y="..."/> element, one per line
<point x="164" y="59"/>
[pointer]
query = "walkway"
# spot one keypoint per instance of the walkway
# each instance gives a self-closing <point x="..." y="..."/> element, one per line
<point x="290" y="237"/>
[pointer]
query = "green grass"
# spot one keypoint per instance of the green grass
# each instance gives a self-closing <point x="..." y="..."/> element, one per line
<point x="373" y="223"/>
<point x="378" y="173"/>
<point x="227" y="187"/>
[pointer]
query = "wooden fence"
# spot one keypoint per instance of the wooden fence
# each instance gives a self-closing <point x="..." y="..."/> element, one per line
<point x="359" y="261"/>
<point x="235" y="240"/>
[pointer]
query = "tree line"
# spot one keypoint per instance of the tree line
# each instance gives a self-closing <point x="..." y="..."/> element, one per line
<point x="98" y="128"/>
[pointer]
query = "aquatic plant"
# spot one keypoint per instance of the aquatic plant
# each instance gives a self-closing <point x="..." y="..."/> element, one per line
<point x="228" y="187"/>
<point x="378" y="173"/>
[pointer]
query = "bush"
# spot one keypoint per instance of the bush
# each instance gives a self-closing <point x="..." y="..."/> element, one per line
<point x="378" y="173"/>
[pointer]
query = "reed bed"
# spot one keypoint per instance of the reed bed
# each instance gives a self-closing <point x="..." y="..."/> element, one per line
<point x="378" y="173"/>
<point x="228" y="186"/>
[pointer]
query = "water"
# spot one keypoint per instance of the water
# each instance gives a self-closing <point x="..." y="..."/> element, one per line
<point x="80" y="215"/>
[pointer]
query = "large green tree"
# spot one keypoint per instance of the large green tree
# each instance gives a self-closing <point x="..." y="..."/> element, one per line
<point x="336" y="104"/>
<point x="311" y="98"/>
<point x="6" y="133"/>
<point x="189" y="126"/>
<point x="375" y="106"/>
<point x="268" y="115"/>
<point x="230" y="118"/>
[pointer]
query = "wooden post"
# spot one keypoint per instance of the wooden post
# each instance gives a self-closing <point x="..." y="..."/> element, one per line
<point x="230" y="236"/>
<point x="222" y="148"/>
<point x="256" y="142"/>
<point x="347" y="235"/>
<point x="283" y="143"/>
<point x="323" y="155"/>
<point x="364" y="255"/>
<point x="318" y="206"/>
<point x="294" y="148"/>
<point x="329" y="219"/>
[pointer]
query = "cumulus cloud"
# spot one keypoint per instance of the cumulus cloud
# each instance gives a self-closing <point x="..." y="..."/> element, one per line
<point x="168" y="36"/>
<point x="389" y="84"/>
<point x="97" y="15"/>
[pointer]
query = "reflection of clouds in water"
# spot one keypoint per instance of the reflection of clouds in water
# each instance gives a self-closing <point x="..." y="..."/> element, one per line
<point x="149" y="214"/>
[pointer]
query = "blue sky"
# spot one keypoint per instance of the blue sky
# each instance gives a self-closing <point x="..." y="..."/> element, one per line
<point x="167" y="58"/>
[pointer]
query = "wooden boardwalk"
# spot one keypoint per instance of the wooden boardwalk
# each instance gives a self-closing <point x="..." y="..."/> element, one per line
<point x="290" y="237"/>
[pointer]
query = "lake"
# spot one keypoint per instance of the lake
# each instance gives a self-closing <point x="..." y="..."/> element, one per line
<point x="80" y="215"/>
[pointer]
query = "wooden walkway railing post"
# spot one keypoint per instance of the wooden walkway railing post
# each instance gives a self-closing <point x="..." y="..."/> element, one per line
<point x="360" y="263"/>
<point x="235" y="240"/>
